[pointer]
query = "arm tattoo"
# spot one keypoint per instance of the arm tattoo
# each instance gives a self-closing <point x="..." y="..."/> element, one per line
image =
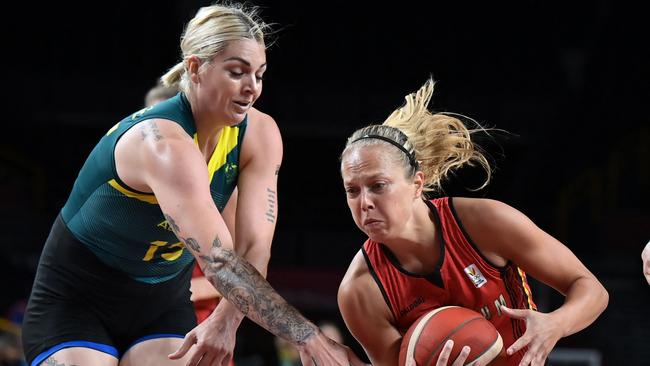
<point x="150" y="128"/>
<point x="270" y="212"/>
<point x="240" y="283"/>
<point x="172" y="223"/>
<point x="245" y="288"/>
<point x="277" y="169"/>
<point x="190" y="242"/>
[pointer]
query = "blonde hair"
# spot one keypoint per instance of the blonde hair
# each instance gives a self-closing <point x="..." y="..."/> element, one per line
<point x="209" y="32"/>
<point x="434" y="143"/>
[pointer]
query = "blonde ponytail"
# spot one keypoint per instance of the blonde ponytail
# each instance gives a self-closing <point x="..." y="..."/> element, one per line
<point x="439" y="142"/>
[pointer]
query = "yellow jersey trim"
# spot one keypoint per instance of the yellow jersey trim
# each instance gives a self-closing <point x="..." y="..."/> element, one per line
<point x="524" y="283"/>
<point x="227" y="142"/>
<point x="148" y="198"/>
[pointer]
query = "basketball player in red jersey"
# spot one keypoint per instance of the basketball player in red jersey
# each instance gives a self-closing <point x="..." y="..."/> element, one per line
<point x="423" y="254"/>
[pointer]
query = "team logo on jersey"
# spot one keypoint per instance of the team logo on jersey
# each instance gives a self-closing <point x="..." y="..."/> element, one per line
<point x="230" y="170"/>
<point x="475" y="275"/>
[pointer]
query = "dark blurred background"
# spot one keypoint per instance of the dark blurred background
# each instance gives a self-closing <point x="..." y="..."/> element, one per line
<point x="569" y="81"/>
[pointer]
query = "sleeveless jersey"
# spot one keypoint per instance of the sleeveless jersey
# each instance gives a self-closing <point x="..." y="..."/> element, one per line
<point x="126" y="228"/>
<point x="463" y="277"/>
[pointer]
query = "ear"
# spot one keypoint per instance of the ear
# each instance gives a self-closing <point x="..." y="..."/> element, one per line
<point x="418" y="181"/>
<point x="193" y="65"/>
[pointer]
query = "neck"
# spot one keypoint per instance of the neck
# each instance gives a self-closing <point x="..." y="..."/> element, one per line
<point x="207" y="128"/>
<point x="417" y="247"/>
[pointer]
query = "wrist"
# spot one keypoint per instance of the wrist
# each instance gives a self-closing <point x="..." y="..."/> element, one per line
<point x="311" y="337"/>
<point x="226" y="312"/>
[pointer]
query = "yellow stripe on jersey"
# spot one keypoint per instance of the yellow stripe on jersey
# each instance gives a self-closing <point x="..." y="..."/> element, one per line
<point x="526" y="287"/>
<point x="227" y="142"/>
<point x="149" y="198"/>
<point x="113" y="128"/>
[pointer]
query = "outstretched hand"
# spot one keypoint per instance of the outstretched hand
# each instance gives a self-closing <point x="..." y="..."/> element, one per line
<point x="212" y="343"/>
<point x="542" y="333"/>
<point x="322" y="351"/>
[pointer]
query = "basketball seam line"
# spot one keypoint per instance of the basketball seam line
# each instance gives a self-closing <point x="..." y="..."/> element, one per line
<point x="454" y="331"/>
<point x="487" y="349"/>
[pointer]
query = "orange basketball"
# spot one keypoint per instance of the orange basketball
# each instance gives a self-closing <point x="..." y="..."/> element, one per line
<point x="428" y="335"/>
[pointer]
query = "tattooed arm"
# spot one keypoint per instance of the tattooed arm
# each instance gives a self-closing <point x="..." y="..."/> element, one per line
<point x="167" y="162"/>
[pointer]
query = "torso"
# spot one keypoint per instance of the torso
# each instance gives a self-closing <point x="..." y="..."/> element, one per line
<point x="123" y="225"/>
<point x="463" y="277"/>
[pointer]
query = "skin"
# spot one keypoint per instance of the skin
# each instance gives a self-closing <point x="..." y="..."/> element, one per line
<point x="388" y="207"/>
<point x="645" y="257"/>
<point x="158" y="156"/>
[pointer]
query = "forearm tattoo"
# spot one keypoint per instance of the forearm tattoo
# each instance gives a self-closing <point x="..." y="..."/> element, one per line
<point x="270" y="211"/>
<point x="240" y="283"/>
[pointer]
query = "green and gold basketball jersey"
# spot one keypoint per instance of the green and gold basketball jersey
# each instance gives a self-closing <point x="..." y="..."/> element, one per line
<point x="125" y="228"/>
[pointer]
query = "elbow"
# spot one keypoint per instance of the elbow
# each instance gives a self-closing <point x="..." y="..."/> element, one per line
<point x="604" y="297"/>
<point x="255" y="251"/>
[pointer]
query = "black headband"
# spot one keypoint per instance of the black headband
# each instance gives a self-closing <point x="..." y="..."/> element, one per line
<point x="411" y="156"/>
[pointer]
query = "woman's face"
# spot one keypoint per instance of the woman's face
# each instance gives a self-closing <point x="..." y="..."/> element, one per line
<point x="228" y="85"/>
<point x="379" y="195"/>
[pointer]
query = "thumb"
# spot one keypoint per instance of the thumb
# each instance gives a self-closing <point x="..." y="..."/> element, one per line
<point x="189" y="340"/>
<point x="514" y="313"/>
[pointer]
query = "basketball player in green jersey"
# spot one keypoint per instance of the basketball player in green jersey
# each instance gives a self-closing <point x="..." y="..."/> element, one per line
<point x="112" y="286"/>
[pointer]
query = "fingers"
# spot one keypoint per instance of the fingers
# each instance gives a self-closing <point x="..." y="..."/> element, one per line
<point x="195" y="359"/>
<point x="225" y="361"/>
<point x="189" y="340"/>
<point x="460" y="360"/>
<point x="514" y="313"/>
<point x="518" y="345"/>
<point x="306" y="359"/>
<point x="533" y="359"/>
<point x="444" y="354"/>
<point x="207" y="360"/>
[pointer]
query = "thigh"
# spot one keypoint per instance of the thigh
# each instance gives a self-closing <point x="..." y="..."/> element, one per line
<point x="79" y="356"/>
<point x="153" y="352"/>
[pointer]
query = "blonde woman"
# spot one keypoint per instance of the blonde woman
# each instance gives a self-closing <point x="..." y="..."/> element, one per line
<point x="422" y="254"/>
<point x="112" y="286"/>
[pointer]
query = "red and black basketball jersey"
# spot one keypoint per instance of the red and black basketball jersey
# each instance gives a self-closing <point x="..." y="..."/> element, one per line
<point x="463" y="277"/>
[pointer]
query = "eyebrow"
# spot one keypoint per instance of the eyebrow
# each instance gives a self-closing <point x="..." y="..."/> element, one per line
<point x="245" y="62"/>
<point x="369" y="177"/>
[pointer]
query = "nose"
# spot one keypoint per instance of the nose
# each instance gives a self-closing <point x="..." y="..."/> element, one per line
<point x="253" y="86"/>
<point x="366" y="201"/>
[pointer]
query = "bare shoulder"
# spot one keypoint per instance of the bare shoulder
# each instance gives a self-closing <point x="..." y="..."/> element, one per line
<point x="148" y="146"/>
<point x="358" y="293"/>
<point x="483" y="211"/>
<point x="256" y="115"/>
<point x="493" y="226"/>
<point x="263" y="122"/>
<point x="262" y="140"/>
<point x="355" y="275"/>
